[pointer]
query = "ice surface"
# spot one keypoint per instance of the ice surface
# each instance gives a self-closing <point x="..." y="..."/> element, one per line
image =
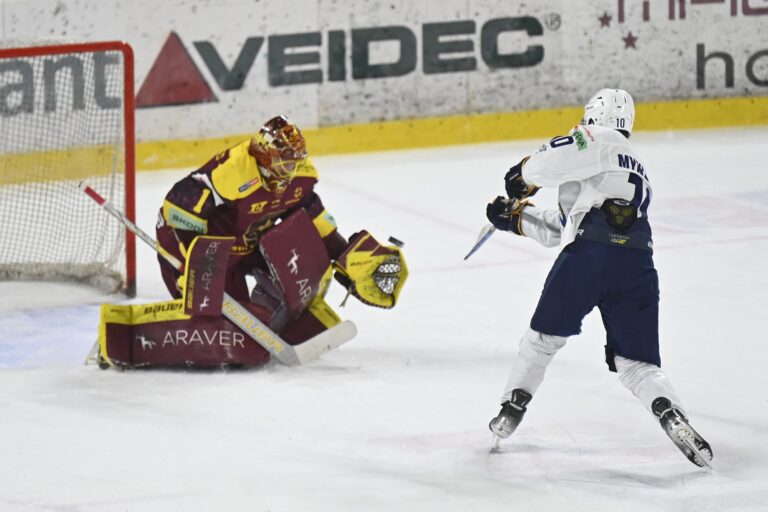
<point x="397" y="419"/>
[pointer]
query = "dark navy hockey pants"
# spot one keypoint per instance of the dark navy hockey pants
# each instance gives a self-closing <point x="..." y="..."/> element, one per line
<point x="621" y="282"/>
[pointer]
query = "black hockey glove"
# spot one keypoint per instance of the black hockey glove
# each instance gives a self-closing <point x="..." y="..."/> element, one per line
<point x="514" y="184"/>
<point x="504" y="214"/>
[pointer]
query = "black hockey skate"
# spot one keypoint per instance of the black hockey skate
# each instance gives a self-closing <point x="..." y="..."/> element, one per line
<point x="675" y="424"/>
<point x="510" y="416"/>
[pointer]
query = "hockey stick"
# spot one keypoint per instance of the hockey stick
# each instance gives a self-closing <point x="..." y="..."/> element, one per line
<point x="237" y="314"/>
<point x="488" y="230"/>
<point x="485" y="234"/>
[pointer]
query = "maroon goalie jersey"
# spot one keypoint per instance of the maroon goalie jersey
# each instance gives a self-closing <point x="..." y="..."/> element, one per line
<point x="229" y="197"/>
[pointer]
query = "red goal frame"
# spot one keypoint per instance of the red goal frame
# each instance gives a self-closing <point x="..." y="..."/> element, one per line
<point x="129" y="127"/>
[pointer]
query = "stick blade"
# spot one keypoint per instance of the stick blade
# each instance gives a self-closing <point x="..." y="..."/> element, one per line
<point x="484" y="235"/>
<point x="326" y="341"/>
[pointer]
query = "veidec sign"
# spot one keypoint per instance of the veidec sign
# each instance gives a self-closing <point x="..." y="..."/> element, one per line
<point x="174" y="78"/>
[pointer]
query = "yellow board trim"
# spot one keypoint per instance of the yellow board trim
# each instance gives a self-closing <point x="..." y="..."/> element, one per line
<point x="389" y="135"/>
<point x="443" y="131"/>
<point x="44" y="166"/>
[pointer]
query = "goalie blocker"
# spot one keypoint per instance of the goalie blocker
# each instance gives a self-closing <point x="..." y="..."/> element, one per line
<point x="191" y="332"/>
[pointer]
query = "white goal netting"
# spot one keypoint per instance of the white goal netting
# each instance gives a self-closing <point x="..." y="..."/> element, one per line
<point x="63" y="120"/>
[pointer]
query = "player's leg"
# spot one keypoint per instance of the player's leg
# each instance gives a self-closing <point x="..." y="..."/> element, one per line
<point x="526" y="375"/>
<point x="530" y="363"/>
<point x="630" y="315"/>
<point x="647" y="382"/>
<point x="652" y="387"/>
<point x="570" y="291"/>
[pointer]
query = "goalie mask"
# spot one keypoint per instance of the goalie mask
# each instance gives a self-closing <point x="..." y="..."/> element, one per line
<point x="279" y="148"/>
<point x="373" y="273"/>
<point x="611" y="108"/>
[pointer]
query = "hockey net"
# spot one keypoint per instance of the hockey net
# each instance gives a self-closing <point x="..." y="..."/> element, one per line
<point x="66" y="115"/>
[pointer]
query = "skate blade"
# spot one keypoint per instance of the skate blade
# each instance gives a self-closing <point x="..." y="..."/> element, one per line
<point x="495" y="444"/>
<point x="707" y="463"/>
<point x="699" y="454"/>
<point x="706" y="460"/>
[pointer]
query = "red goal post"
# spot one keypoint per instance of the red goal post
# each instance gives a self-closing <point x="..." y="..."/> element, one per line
<point x="67" y="115"/>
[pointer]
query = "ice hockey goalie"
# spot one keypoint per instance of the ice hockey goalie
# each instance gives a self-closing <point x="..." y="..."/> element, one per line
<point x="277" y="249"/>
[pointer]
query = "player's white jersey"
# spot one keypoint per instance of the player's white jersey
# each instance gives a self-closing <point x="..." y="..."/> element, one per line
<point x="589" y="165"/>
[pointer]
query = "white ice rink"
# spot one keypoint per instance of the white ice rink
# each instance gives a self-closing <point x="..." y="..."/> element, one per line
<point x="397" y="419"/>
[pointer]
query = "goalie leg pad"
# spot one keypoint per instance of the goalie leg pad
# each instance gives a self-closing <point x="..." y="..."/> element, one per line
<point x="161" y="335"/>
<point x="205" y="275"/>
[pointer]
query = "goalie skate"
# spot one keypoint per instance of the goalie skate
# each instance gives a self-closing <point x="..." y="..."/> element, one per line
<point x="94" y="357"/>
<point x="676" y="425"/>
<point x="510" y="416"/>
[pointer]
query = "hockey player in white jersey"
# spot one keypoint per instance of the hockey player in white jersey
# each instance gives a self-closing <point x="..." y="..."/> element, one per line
<point x="606" y="261"/>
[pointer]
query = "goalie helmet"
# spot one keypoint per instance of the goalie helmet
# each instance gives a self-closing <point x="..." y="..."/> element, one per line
<point x="611" y="108"/>
<point x="279" y="148"/>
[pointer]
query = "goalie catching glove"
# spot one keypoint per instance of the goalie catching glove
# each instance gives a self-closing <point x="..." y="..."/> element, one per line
<point x="373" y="273"/>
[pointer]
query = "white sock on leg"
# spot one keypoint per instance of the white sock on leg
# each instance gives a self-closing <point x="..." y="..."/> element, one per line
<point x="531" y="361"/>
<point x="647" y="382"/>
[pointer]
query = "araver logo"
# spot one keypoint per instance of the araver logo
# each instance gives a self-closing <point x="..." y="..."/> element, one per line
<point x="146" y="343"/>
<point x="446" y="47"/>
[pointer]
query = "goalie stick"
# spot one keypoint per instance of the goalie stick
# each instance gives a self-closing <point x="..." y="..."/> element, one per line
<point x="289" y="355"/>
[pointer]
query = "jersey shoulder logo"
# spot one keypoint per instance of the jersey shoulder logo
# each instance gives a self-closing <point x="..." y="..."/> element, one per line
<point x="581" y="141"/>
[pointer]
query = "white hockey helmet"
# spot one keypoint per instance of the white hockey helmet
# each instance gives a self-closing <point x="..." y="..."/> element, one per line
<point x="611" y="108"/>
